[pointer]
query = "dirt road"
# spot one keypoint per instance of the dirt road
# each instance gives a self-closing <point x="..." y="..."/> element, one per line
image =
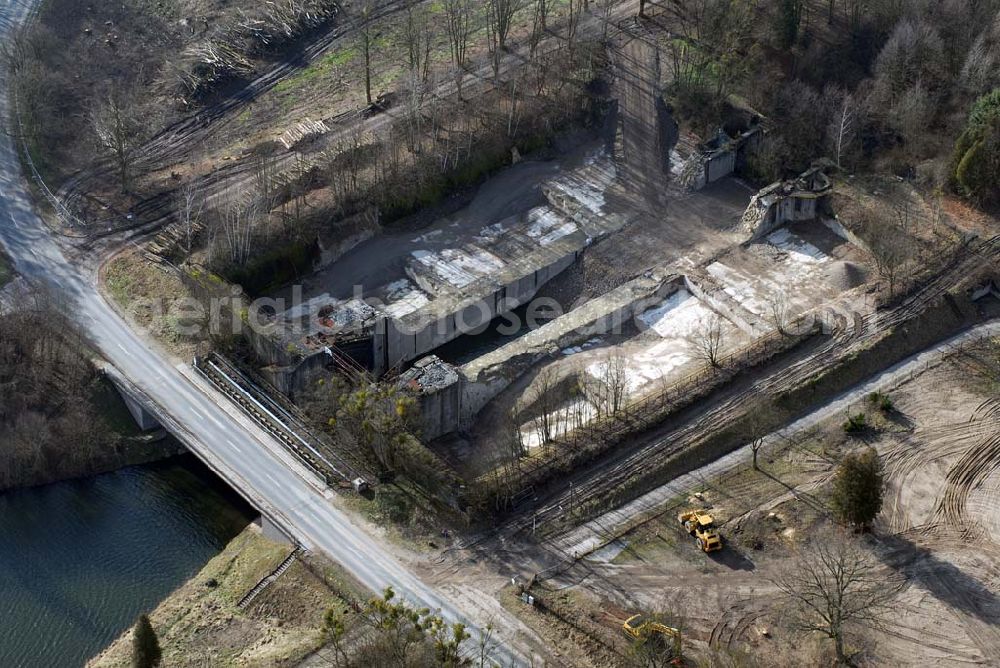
<point x="598" y="532"/>
<point x="937" y="445"/>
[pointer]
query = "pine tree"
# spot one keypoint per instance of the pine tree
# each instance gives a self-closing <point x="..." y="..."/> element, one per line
<point x="858" y="487"/>
<point x="145" y="646"/>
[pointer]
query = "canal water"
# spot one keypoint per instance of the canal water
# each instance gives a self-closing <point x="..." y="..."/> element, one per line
<point x="80" y="560"/>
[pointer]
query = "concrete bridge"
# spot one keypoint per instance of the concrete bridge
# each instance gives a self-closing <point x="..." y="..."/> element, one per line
<point x="149" y="416"/>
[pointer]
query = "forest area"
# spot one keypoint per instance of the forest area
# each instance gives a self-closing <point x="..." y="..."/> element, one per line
<point x="59" y="418"/>
<point x="896" y="87"/>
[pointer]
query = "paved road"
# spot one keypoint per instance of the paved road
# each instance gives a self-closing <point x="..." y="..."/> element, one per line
<point x="251" y="461"/>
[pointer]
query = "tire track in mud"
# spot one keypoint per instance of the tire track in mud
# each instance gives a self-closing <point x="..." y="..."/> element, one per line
<point x="968" y="473"/>
<point x="942" y="642"/>
<point x="911" y="456"/>
<point x="732" y="628"/>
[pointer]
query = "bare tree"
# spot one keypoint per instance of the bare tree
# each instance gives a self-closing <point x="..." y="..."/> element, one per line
<point x="778" y="311"/>
<point x="238" y="219"/>
<point x="886" y="230"/>
<point x="459" y="25"/>
<point x="120" y="129"/>
<point x="573" y="17"/>
<point x="543" y="402"/>
<point x="836" y="587"/>
<point x="488" y="644"/>
<point x="842" y="126"/>
<point x="708" y="338"/>
<point x="758" y="420"/>
<point x="499" y="20"/>
<point x="505" y="452"/>
<point x="755" y="445"/>
<point x="190" y="206"/>
<point x="265" y="179"/>
<point x="366" y="37"/>
<point x="614" y="383"/>
<point x="418" y="35"/>
<point x="981" y="70"/>
<point x="539" y="24"/>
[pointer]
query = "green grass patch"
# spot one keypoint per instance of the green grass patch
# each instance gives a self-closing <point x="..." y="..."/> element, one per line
<point x="322" y="67"/>
<point x="119" y="284"/>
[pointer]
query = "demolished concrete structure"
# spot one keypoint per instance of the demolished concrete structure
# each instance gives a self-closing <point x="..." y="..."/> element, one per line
<point x="451" y="397"/>
<point x="435" y="384"/>
<point x="666" y="307"/>
<point x="803" y="198"/>
<point x="445" y="293"/>
<point x="720" y="156"/>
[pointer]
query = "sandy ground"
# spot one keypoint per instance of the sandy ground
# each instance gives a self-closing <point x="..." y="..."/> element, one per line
<point x="939" y="527"/>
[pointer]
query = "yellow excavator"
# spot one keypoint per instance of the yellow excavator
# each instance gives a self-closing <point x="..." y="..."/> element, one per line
<point x="701" y="525"/>
<point x="638" y="627"/>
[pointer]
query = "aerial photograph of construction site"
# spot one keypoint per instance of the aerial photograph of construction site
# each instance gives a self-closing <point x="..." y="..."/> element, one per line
<point x="441" y="333"/>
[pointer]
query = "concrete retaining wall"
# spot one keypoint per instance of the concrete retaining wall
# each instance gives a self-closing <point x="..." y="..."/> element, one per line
<point x="717" y="306"/>
<point x="484" y="378"/>
<point x="838" y="228"/>
<point x="294" y="378"/>
<point x="441" y="412"/>
<point x="720" y="166"/>
<point x="399" y="341"/>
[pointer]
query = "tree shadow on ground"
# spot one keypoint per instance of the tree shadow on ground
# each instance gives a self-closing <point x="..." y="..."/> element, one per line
<point x="942" y="579"/>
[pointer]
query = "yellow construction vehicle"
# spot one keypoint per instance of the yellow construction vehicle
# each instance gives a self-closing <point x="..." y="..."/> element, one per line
<point x="638" y="627"/>
<point x="701" y="525"/>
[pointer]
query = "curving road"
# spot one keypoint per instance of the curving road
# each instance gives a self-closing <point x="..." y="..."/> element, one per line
<point x="244" y="455"/>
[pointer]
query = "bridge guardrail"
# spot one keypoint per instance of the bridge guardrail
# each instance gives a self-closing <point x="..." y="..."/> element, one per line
<point x="274" y="418"/>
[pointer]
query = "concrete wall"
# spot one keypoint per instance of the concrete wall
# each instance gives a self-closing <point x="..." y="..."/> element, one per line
<point x="294" y="378"/>
<point x="268" y="348"/>
<point x="484" y="379"/>
<point x="717" y="306"/>
<point x="727" y="159"/>
<point x="838" y="228"/>
<point x="142" y="417"/>
<point x="791" y="209"/>
<point x="990" y="287"/>
<point x="440" y="412"/>
<point x="719" y="166"/>
<point x="399" y="341"/>
<point x="785" y="210"/>
<point x="344" y="235"/>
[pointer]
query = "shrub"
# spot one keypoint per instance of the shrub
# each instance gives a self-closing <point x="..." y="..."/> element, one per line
<point x="858" y="488"/>
<point x="976" y="159"/>
<point x="856" y="424"/>
<point x="881" y="401"/>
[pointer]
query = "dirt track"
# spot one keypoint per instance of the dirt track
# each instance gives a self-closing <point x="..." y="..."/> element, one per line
<point x="940" y="529"/>
<point x="943" y="508"/>
<point x="178" y="142"/>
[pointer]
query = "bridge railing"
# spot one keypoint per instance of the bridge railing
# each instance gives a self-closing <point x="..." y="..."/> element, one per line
<point x="260" y="404"/>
